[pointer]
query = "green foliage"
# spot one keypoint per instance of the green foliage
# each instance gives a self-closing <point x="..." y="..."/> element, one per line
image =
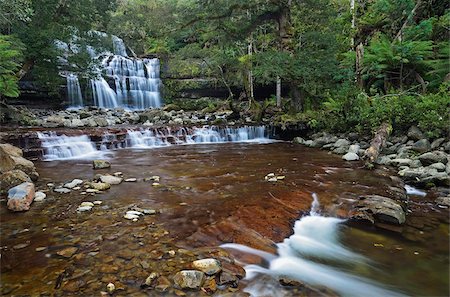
<point x="364" y="114"/>
<point x="11" y="54"/>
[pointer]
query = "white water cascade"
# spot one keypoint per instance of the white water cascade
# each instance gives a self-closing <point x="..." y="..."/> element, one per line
<point x="121" y="81"/>
<point x="151" y="138"/>
<point x="62" y="147"/>
<point x="302" y="257"/>
<point x="74" y="91"/>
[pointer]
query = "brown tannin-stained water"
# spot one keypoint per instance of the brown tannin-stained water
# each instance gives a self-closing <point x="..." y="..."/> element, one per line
<point x="208" y="195"/>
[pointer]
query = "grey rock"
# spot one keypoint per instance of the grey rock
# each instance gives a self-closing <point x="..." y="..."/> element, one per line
<point x="415" y="164"/>
<point x="298" y="140"/>
<point x="400" y="162"/>
<point x="421" y="146"/>
<point x="444" y="201"/>
<point x="433" y="157"/>
<point x="62" y="190"/>
<point x="354" y="148"/>
<point x="437" y="143"/>
<point x="446" y="147"/>
<point x="383" y="160"/>
<point x="382" y="209"/>
<point x="112" y="180"/>
<point x="350" y="157"/>
<point x="73" y="183"/>
<point x="352" y="136"/>
<point x="438" y="166"/>
<point x="342" y="142"/>
<point x="39" y="196"/>
<point x="100" y="164"/>
<point x="189" y="279"/>
<point x="11" y="179"/>
<point x="414" y="133"/>
<point x="340" y="150"/>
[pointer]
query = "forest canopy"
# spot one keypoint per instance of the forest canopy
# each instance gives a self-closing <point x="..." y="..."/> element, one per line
<point x="347" y="61"/>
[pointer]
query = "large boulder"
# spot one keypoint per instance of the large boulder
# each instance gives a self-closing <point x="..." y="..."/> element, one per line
<point x="382" y="209"/>
<point x="6" y="162"/>
<point x="189" y="279"/>
<point x="20" y="197"/>
<point x="433" y="157"/>
<point x="26" y="166"/>
<point x="11" y="150"/>
<point x="11" y="179"/>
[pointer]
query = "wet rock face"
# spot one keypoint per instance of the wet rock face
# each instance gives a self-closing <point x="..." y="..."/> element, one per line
<point x="378" y="208"/>
<point x="20" y="197"/>
<point x="189" y="279"/>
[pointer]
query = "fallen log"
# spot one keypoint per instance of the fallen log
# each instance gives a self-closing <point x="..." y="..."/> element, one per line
<point x="377" y="144"/>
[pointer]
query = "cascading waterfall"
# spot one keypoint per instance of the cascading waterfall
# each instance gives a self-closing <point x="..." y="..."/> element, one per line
<point x="62" y="147"/>
<point x="74" y="91"/>
<point x="302" y="256"/>
<point x="121" y="81"/>
<point x="151" y="138"/>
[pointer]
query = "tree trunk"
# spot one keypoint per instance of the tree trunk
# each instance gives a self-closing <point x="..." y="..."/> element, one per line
<point x="358" y="65"/>
<point x="278" y="91"/>
<point x="250" y="72"/>
<point x="410" y="16"/>
<point x="352" y="11"/>
<point x="297" y="98"/>
<point x="421" y="82"/>
<point x="377" y="144"/>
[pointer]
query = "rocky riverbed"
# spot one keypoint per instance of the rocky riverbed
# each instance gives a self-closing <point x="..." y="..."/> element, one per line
<point x="136" y="222"/>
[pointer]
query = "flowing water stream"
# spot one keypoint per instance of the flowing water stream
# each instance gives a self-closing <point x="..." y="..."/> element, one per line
<point x="213" y="194"/>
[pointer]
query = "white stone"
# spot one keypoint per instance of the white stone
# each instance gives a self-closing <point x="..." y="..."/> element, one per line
<point x="62" y="190"/>
<point x="39" y="196"/>
<point x="350" y="157"/>
<point x="84" y="208"/>
<point x="112" y="180"/>
<point x="130" y="216"/>
<point x="73" y="183"/>
<point x="86" y="203"/>
<point x="131" y="180"/>
<point x="134" y="212"/>
<point x="97" y="202"/>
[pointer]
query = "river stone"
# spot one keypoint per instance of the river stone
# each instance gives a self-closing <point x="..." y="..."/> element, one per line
<point x="383" y="160"/>
<point x="11" y="179"/>
<point x="73" y="183"/>
<point x="130" y="216"/>
<point x="112" y="180"/>
<point x="433" y="157"/>
<point x="189" y="279"/>
<point x="76" y="123"/>
<point x="209" y="266"/>
<point x="437" y="143"/>
<point x="382" y="209"/>
<point x="414" y="133"/>
<point x="350" y="157"/>
<point x="20" y="197"/>
<point x="400" y="162"/>
<point x="100" y="186"/>
<point x="227" y="278"/>
<point x="438" y="166"/>
<point x="298" y="140"/>
<point x="131" y="180"/>
<point x="439" y="178"/>
<point x="444" y="201"/>
<point x="39" y="196"/>
<point x="342" y="142"/>
<point x="84" y="208"/>
<point x="100" y="164"/>
<point x="354" y="148"/>
<point x="11" y="150"/>
<point x="62" y="190"/>
<point x="421" y="146"/>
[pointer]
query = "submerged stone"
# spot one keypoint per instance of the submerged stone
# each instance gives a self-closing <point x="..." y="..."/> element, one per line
<point x="100" y="164"/>
<point x="189" y="279"/>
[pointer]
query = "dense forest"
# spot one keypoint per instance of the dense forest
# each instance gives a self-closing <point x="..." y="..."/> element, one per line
<point x="332" y="64"/>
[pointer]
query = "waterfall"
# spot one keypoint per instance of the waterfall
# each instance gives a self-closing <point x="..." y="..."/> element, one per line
<point x="306" y="256"/>
<point x="121" y="81"/>
<point x="151" y="138"/>
<point x="74" y="91"/>
<point x="62" y="147"/>
<point x="103" y="95"/>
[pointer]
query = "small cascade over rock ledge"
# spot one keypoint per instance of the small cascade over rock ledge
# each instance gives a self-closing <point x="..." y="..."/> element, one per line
<point x="64" y="147"/>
